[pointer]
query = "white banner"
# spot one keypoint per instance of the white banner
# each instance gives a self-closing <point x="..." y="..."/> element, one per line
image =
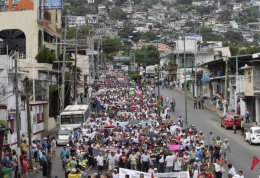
<point x="136" y="174"/>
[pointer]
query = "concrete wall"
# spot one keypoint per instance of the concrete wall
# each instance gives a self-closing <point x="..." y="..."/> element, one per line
<point x="256" y="75"/>
<point x="25" y="21"/>
<point x="249" y="82"/>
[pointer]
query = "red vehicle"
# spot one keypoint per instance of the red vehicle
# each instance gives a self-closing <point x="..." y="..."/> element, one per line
<point x="228" y="120"/>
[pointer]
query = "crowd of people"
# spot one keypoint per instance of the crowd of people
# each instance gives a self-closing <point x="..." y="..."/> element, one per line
<point x="130" y="128"/>
<point x="125" y="131"/>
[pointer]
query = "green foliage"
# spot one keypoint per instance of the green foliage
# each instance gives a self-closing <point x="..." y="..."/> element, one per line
<point x="149" y="36"/>
<point x="149" y="3"/>
<point x="135" y="76"/>
<point x="117" y="13"/>
<point x="83" y="31"/>
<point x="54" y="98"/>
<point x="235" y="50"/>
<point x="111" y="46"/>
<point x="225" y="16"/>
<point x="233" y="37"/>
<point x="119" y="2"/>
<point x="248" y="15"/>
<point x="184" y="2"/>
<point x="147" y="55"/>
<point x="209" y="36"/>
<point x="249" y="50"/>
<point x="45" y="55"/>
<point x="126" y="31"/>
<point x="205" y="9"/>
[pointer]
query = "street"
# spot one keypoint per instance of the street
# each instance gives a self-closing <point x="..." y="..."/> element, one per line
<point x="241" y="152"/>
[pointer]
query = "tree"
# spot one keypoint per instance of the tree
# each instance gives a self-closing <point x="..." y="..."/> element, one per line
<point x="117" y="13"/>
<point x="225" y="16"/>
<point x="233" y="37"/>
<point x="45" y="55"/>
<point x="149" y="36"/>
<point x="147" y="55"/>
<point x="83" y="31"/>
<point x="111" y="46"/>
<point x="184" y="2"/>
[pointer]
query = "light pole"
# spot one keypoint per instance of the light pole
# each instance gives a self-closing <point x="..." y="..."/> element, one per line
<point x="185" y="83"/>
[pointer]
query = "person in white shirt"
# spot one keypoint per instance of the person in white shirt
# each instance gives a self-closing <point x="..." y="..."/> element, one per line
<point x="115" y="174"/>
<point x="145" y="160"/>
<point x="169" y="162"/>
<point x="231" y="170"/>
<point x="84" y="130"/>
<point x="53" y="147"/>
<point x="100" y="163"/>
<point x="111" y="159"/>
<point x="117" y="155"/>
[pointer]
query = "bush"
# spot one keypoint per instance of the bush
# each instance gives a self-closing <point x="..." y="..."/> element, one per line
<point x="45" y="55"/>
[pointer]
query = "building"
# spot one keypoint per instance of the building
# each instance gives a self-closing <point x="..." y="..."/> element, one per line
<point x="92" y="19"/>
<point x="252" y="89"/>
<point x="21" y="40"/>
<point x="76" y="21"/>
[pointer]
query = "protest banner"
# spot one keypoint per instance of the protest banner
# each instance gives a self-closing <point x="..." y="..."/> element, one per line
<point x="136" y="174"/>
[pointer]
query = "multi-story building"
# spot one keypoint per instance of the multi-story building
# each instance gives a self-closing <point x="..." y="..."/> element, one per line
<point x="74" y="21"/>
<point x="25" y="37"/>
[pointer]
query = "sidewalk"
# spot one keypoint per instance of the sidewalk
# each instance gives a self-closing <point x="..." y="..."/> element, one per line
<point x="210" y="107"/>
<point x="207" y="105"/>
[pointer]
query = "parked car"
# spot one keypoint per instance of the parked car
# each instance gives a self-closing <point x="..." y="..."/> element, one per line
<point x="253" y="135"/>
<point x="63" y="136"/>
<point x="228" y="120"/>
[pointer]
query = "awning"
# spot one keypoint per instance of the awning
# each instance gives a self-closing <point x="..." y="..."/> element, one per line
<point x="51" y="32"/>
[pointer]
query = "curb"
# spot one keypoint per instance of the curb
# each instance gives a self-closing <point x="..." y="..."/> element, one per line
<point x="205" y="106"/>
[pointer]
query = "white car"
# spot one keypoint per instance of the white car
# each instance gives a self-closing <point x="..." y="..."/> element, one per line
<point x="253" y="135"/>
<point x="63" y="136"/>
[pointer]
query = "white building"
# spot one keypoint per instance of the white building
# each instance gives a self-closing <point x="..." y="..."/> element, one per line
<point x="91" y="19"/>
<point x="237" y="7"/>
<point x="74" y="21"/>
<point x="220" y="28"/>
<point x="91" y="1"/>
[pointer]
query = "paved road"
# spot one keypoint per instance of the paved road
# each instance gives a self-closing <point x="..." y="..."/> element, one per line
<point x="241" y="152"/>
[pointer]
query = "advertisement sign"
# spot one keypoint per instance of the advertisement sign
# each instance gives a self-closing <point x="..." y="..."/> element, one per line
<point x="136" y="174"/>
<point x="52" y="4"/>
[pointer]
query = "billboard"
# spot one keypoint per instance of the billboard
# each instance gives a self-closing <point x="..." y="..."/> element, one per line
<point x="52" y="4"/>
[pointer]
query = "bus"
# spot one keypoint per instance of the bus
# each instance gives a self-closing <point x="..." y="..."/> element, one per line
<point x="73" y="116"/>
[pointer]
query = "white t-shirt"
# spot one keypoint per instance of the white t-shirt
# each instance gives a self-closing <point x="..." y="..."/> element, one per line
<point x="169" y="160"/>
<point x="84" y="131"/>
<point x="100" y="160"/>
<point x="111" y="160"/>
<point x="217" y="167"/>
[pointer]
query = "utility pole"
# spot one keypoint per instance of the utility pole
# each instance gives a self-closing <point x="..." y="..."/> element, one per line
<point x="185" y="83"/>
<point x="75" y="68"/>
<point x="17" y="114"/>
<point x="226" y="86"/>
<point x="237" y="87"/>
<point x="63" y="67"/>
<point x="29" y="122"/>
<point x="158" y="80"/>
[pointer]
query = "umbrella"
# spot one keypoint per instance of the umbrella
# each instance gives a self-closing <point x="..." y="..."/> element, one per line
<point x="109" y="126"/>
<point x="139" y="92"/>
<point x="153" y="135"/>
<point x="133" y="108"/>
<point x="132" y="92"/>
